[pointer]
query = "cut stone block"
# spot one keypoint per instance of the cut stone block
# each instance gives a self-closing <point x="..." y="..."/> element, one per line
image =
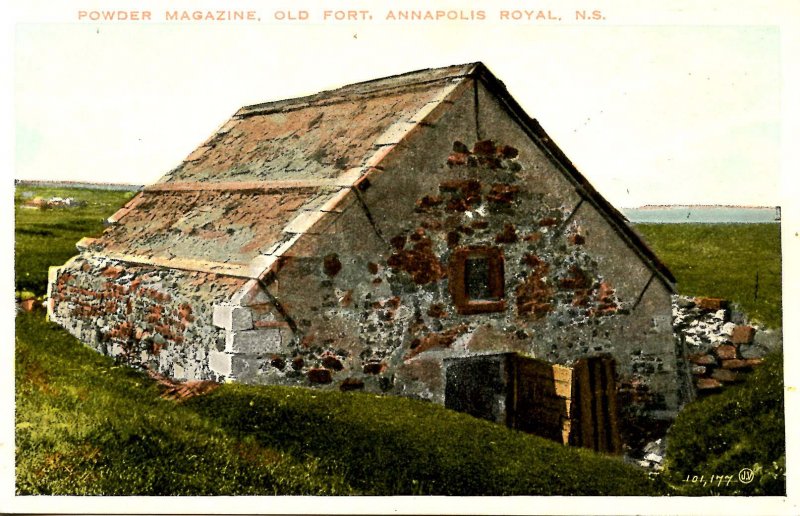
<point x="726" y="376"/>
<point x="219" y="362"/>
<point x="702" y="359"/>
<point x="251" y="293"/>
<point x="232" y="318"/>
<point x="726" y="352"/>
<point x="698" y="370"/>
<point x="305" y="221"/>
<point x="268" y="340"/>
<point x="259" y="265"/>
<point x="245" y="367"/>
<point x="738" y="364"/>
<point x="395" y="133"/>
<point x="711" y="303"/>
<point x="743" y="335"/>
<point x="707" y="384"/>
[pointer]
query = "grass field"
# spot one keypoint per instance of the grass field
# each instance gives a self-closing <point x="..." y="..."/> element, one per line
<point x="85" y="425"/>
<point x="47" y="237"/>
<point x="738" y="262"/>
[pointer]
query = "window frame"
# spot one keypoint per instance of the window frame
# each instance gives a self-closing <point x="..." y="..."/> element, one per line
<point x="496" y="278"/>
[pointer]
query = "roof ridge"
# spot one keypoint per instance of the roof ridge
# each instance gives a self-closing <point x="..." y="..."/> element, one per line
<point x="372" y="87"/>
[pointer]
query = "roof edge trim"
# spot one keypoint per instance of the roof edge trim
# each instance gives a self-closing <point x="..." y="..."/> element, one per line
<point x="359" y="90"/>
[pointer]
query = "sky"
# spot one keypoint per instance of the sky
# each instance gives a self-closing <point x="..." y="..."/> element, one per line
<point x="650" y="113"/>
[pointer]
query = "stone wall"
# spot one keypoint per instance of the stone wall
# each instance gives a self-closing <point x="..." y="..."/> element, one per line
<point x="379" y="304"/>
<point x="160" y="318"/>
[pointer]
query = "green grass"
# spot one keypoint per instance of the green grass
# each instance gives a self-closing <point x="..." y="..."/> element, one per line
<point x="743" y="427"/>
<point x="47" y="237"/>
<point x="722" y="260"/>
<point x="88" y="426"/>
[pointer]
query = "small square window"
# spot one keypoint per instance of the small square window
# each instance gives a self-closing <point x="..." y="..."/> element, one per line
<point x="476" y="280"/>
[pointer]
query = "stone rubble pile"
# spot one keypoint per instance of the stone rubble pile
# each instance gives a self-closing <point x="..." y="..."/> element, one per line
<point x="654" y="453"/>
<point x="719" y="344"/>
<point x="53" y="202"/>
<point x="721" y="347"/>
<point x="650" y="457"/>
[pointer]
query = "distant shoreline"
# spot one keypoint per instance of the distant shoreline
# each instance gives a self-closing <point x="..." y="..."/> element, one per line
<point x="687" y="214"/>
<point x="698" y="206"/>
<point x="77" y="184"/>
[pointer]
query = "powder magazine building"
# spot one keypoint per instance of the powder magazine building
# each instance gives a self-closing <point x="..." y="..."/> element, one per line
<point x="416" y="235"/>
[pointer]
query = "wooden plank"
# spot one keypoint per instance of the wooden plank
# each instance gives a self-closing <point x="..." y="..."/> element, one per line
<point x="585" y="403"/>
<point x="563" y="389"/>
<point x="601" y="407"/>
<point x="197" y="186"/>
<point x="566" y="431"/>
<point x="562" y="373"/>
<point x="611" y="393"/>
<point x="224" y="269"/>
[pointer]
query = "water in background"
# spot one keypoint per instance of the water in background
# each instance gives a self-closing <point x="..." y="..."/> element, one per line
<point x="705" y="214"/>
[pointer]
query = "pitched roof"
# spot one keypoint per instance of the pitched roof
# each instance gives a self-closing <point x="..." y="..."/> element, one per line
<point x="316" y="137"/>
<point x="277" y="170"/>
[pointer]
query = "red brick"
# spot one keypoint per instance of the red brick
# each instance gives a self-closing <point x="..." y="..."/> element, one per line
<point x="707" y="384"/>
<point x="331" y="362"/>
<point x="702" y="359"/>
<point x="320" y="375"/>
<point x="726" y="376"/>
<point x="743" y="335"/>
<point x="737" y="364"/>
<point x="374" y="367"/>
<point x="726" y="352"/>
<point x="711" y="303"/>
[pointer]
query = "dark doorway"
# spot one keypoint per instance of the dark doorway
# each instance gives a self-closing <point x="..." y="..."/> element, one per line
<point x="572" y="405"/>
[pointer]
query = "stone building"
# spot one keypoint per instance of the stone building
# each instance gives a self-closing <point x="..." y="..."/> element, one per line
<point x="364" y="237"/>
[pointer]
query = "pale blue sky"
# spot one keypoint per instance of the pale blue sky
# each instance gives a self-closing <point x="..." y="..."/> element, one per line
<point x="650" y="114"/>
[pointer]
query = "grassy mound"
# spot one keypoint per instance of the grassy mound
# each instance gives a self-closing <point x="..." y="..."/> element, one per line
<point x="85" y="426"/>
<point x="390" y="445"/>
<point x="743" y="427"/>
<point x="722" y="260"/>
<point x="88" y="426"/>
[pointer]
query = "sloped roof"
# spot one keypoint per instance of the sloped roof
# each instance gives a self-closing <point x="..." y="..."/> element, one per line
<point x="315" y="137"/>
<point x="276" y="170"/>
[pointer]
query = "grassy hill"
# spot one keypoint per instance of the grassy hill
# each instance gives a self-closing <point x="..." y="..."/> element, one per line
<point x="85" y="425"/>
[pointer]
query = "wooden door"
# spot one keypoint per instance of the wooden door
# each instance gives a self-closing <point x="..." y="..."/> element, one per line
<point x="595" y="396"/>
